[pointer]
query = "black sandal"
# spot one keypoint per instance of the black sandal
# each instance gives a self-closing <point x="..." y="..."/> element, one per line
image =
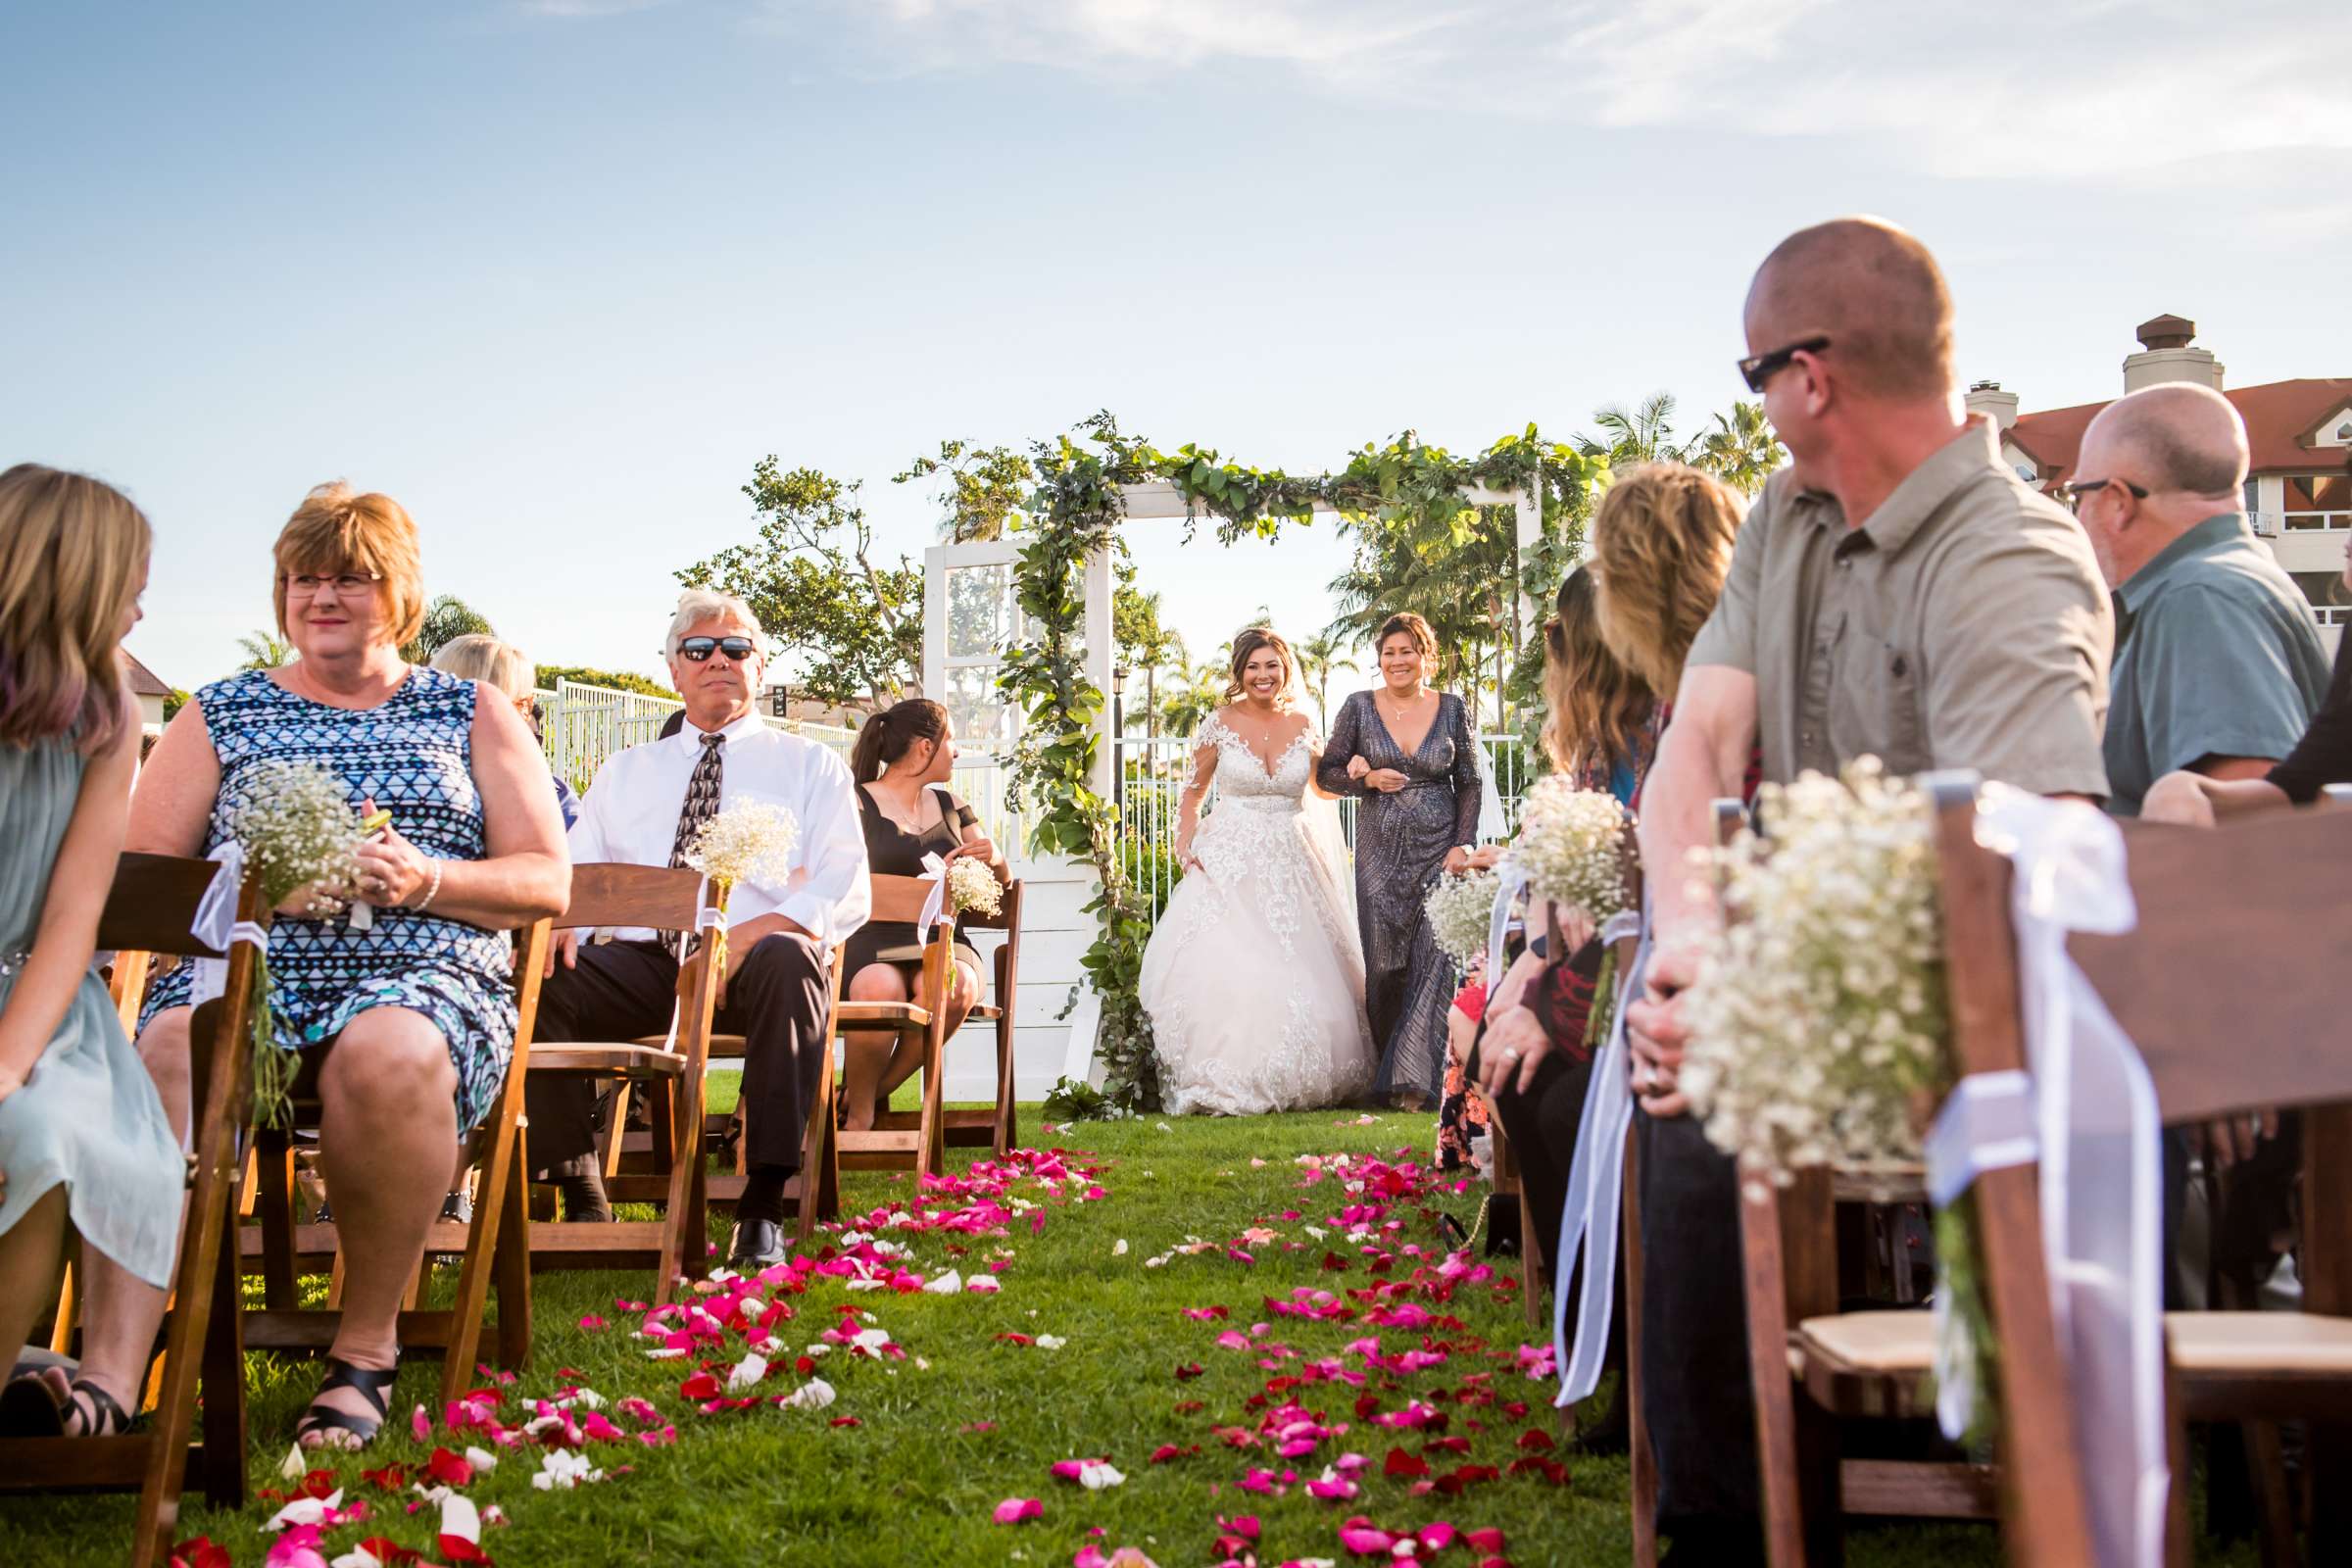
<point x="373" y="1386"/>
<point x="102" y="1417"/>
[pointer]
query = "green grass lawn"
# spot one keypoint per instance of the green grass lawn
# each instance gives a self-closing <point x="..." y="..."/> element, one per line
<point x="970" y="1419"/>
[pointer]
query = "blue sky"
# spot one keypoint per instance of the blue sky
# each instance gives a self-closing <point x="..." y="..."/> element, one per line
<point x="557" y="272"/>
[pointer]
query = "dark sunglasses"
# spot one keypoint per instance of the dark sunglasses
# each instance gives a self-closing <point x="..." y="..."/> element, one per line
<point x="2070" y="493"/>
<point x="1764" y="366"/>
<point x="699" y="649"/>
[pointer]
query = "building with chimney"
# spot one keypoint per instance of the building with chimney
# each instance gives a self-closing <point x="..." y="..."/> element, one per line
<point x="2298" y="488"/>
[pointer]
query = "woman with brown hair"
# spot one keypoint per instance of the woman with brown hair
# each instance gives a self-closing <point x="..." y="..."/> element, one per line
<point x="414" y="1014"/>
<point x="1251" y="978"/>
<point x="1408" y="754"/>
<point x="84" y="1144"/>
<point x="901" y="760"/>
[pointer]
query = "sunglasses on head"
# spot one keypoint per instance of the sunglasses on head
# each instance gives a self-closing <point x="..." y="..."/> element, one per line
<point x="1762" y="367"/>
<point x="697" y="650"/>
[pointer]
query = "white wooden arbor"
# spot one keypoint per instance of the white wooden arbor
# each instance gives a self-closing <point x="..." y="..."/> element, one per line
<point x="971" y="617"/>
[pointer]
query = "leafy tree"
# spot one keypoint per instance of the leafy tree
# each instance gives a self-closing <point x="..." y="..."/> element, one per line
<point x="1740" y="447"/>
<point x="1320" y="656"/>
<point x="266" y="651"/>
<point x="1463" y="588"/>
<point x="812" y="581"/>
<point x="174" y="702"/>
<point x="545" y="676"/>
<point x="986" y="489"/>
<point x="1643" y="433"/>
<point x="446" y="620"/>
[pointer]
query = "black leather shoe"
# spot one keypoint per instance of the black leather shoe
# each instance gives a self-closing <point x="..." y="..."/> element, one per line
<point x="583" y="1186"/>
<point x="755" y="1243"/>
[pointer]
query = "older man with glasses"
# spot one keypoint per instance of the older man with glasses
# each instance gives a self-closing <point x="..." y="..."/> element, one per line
<point x="1895" y="592"/>
<point x="643" y="809"/>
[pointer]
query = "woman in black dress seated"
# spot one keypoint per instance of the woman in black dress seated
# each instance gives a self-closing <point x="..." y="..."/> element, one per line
<point x="902" y="761"/>
<point x="1408" y="755"/>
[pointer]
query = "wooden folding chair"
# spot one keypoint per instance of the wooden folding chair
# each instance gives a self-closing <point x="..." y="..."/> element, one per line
<point x="995" y="1127"/>
<point x="662" y="899"/>
<point x="149" y="910"/>
<point x="492" y="1248"/>
<point x="901" y="1139"/>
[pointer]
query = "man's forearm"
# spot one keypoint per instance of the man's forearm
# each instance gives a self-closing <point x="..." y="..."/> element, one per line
<point x="1678" y="816"/>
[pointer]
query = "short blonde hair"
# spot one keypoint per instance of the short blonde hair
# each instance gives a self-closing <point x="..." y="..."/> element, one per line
<point x="698" y="605"/>
<point x="1661" y="547"/>
<point x="475" y="657"/>
<point x="337" y="530"/>
<point x="73" y="556"/>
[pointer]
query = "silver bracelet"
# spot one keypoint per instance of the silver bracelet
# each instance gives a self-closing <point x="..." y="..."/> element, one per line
<point x="435" y="891"/>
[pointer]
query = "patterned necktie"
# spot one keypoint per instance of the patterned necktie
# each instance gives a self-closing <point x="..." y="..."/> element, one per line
<point x="702" y="797"/>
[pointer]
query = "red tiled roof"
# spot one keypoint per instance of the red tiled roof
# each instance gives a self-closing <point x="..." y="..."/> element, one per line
<point x="144" y="682"/>
<point x="2278" y="416"/>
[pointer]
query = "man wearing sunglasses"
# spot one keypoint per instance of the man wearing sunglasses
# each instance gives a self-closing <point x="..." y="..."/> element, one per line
<point x="1895" y="592"/>
<point x="644" y="809"/>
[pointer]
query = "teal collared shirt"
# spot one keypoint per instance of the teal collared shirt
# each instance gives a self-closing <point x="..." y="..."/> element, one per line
<point x="2216" y="655"/>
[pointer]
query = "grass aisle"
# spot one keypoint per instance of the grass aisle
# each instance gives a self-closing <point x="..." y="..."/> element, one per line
<point x="911" y="1460"/>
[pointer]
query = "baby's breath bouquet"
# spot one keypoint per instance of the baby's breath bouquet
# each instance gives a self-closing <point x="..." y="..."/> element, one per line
<point x="1571" y="846"/>
<point x="1818" y="1019"/>
<point x="751" y="841"/>
<point x="299" y="830"/>
<point x="973" y="888"/>
<point x="1459" y="909"/>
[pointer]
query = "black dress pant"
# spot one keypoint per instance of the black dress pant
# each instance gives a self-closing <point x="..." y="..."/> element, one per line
<point x="1695" y="1375"/>
<point x="1542" y="1125"/>
<point x="623" y="990"/>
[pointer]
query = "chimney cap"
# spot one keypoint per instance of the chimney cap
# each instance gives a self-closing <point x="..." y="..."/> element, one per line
<point x="1985" y="386"/>
<point x="2167" y="333"/>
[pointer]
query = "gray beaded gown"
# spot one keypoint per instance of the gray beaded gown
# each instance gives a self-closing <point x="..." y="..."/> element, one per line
<point x="1401" y="845"/>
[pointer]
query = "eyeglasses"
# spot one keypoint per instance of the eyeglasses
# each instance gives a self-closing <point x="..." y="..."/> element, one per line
<point x="698" y="650"/>
<point x="1763" y="368"/>
<point x="2069" y="493"/>
<point x="347" y="584"/>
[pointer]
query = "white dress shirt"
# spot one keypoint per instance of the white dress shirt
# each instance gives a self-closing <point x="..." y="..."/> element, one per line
<point x="630" y="814"/>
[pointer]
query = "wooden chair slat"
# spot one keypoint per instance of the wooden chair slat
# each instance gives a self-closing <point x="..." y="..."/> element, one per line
<point x="892" y="1014"/>
<point x="150" y="903"/>
<point x="609" y="1059"/>
<point x="611" y="893"/>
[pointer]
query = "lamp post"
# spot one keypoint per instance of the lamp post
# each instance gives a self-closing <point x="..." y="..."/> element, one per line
<point x="1118" y="737"/>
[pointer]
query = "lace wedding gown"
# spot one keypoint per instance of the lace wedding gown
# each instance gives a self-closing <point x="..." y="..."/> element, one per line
<point x="1253" y="978"/>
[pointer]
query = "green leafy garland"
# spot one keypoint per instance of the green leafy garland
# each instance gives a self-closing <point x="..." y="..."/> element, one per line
<point x="1076" y="510"/>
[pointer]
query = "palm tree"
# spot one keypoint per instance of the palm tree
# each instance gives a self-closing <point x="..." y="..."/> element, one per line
<point x="1319" y="656"/>
<point x="447" y="619"/>
<point x="1740" y="449"/>
<point x="266" y="651"/>
<point x="1201" y="693"/>
<point x="1641" y="434"/>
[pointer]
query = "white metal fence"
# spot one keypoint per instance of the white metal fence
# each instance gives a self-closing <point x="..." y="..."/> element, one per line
<point x="1151" y="774"/>
<point x="582" y="725"/>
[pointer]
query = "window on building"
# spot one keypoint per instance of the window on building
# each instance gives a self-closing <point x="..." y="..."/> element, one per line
<point x="2317" y="500"/>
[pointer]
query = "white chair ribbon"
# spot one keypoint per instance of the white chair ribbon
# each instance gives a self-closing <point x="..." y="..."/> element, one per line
<point x="217" y="926"/>
<point x="1510" y="882"/>
<point x="1595" y="1206"/>
<point x="935" y="904"/>
<point x="707" y="916"/>
<point x="2096" y="1124"/>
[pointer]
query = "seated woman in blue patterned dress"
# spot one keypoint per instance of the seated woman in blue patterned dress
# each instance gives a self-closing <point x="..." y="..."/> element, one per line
<point x="420" y="1007"/>
<point x="83" y="1142"/>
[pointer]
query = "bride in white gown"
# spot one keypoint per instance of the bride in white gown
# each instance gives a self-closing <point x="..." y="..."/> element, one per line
<point x="1254" y="979"/>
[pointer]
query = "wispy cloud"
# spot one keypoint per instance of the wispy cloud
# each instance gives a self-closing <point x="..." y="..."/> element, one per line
<point x="2000" y="88"/>
<point x="569" y="9"/>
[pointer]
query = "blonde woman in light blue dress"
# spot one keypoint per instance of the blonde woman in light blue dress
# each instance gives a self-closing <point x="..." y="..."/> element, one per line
<point x="84" y="1140"/>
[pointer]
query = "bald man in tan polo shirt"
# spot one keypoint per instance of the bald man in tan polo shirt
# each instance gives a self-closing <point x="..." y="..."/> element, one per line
<point x="1898" y="592"/>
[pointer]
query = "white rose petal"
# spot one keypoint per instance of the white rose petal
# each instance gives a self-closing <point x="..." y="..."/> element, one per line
<point x="1096" y="1477"/>
<point x="949" y="1284"/>
<point x="747" y="1372"/>
<point x="815" y="1395"/>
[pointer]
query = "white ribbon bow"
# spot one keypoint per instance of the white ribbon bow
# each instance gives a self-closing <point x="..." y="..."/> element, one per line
<point x="935" y="904"/>
<point x="2089" y="1111"/>
<point x="1510" y="882"/>
<point x="706" y="917"/>
<point x="217" y="926"/>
